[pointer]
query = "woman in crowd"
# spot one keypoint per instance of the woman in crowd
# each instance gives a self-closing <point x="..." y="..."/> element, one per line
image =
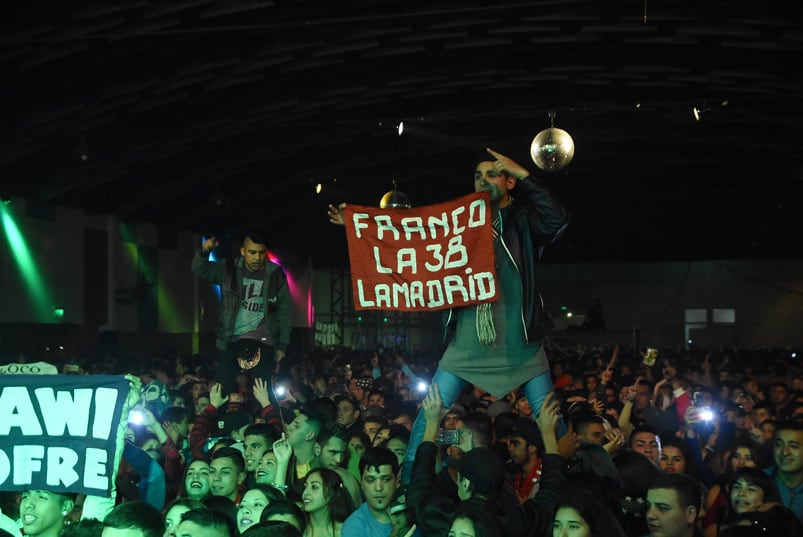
<point x="585" y="508"/>
<point x="471" y="522"/>
<point x="254" y="501"/>
<point x="326" y="503"/>
<point x="174" y="511"/>
<point x="196" y="480"/>
<point x="674" y="455"/>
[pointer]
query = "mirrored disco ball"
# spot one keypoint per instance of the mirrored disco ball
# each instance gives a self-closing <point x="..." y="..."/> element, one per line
<point x="552" y="149"/>
<point x="395" y="200"/>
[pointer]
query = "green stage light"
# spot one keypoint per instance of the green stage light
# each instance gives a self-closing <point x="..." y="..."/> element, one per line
<point x="31" y="275"/>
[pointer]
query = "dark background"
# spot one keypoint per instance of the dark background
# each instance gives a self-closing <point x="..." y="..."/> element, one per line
<point x="222" y="116"/>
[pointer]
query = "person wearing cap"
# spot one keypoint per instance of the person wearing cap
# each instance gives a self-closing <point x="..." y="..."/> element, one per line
<point x="524" y="446"/>
<point x="359" y="388"/>
<point x="499" y="345"/>
<point x="481" y="477"/>
<point x="254" y="323"/>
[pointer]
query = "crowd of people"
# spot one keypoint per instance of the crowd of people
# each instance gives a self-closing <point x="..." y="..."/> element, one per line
<point x="700" y="443"/>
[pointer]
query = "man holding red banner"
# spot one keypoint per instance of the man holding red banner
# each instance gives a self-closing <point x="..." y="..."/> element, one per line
<point x="498" y="345"/>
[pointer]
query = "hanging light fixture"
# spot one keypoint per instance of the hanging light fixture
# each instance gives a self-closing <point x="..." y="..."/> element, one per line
<point x="394" y="199"/>
<point x="552" y="149"/>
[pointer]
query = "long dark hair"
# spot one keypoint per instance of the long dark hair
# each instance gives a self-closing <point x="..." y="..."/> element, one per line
<point x="337" y="497"/>
<point x="485" y="525"/>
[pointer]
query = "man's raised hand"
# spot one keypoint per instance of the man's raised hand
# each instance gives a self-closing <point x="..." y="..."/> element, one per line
<point x="508" y="164"/>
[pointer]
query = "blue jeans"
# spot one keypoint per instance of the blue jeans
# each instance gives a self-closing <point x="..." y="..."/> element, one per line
<point x="536" y="389"/>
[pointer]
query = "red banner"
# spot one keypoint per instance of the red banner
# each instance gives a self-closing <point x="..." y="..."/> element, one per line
<point x="428" y="258"/>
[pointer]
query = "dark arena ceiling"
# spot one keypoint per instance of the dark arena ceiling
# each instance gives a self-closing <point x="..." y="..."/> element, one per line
<point x="218" y="116"/>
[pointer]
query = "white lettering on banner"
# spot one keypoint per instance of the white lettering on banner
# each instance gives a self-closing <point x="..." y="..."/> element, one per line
<point x="479" y="286"/>
<point x="64" y="409"/>
<point x="94" y="469"/>
<point x="105" y="399"/>
<point x="23" y="369"/>
<point x="412" y="225"/>
<point x="61" y="464"/>
<point x="438" y="226"/>
<point x="384" y="223"/>
<point x="456" y="257"/>
<point x="16" y="410"/>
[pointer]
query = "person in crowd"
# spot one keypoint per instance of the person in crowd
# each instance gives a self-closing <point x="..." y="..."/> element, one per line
<point x="266" y="469"/>
<point x="781" y="397"/>
<point x="87" y="527"/>
<point x="334" y="455"/>
<point x="481" y="477"/>
<point x="254" y="323"/>
<point x="259" y="438"/>
<point x="359" y="442"/>
<point x="196" y="480"/>
<point x="134" y="519"/>
<point x="524" y="446"/>
<point x="302" y="435"/>
<point x="333" y="441"/>
<point x="227" y="474"/>
<point x="254" y="501"/>
<point x="676" y="457"/>
<point x="169" y="432"/>
<point x="754" y="496"/>
<point x="234" y="421"/>
<point x="645" y="440"/>
<point x="751" y="490"/>
<point x="326" y="503"/>
<point x="273" y="528"/>
<point x="504" y="337"/>
<point x="174" y="511"/>
<point x="744" y="453"/>
<point x="43" y="513"/>
<point x="222" y="505"/>
<point x="396" y="441"/>
<point x="788" y="469"/>
<point x="205" y="523"/>
<point x="372" y="425"/>
<point x="585" y="511"/>
<point x="636" y="473"/>
<point x="591" y="429"/>
<point x="379" y="471"/>
<point x="470" y="522"/>
<point x="285" y="511"/>
<point x="348" y="412"/>
<point x="673" y="505"/>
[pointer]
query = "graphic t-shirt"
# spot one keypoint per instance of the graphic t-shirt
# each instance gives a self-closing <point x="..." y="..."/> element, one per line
<point x="250" y="323"/>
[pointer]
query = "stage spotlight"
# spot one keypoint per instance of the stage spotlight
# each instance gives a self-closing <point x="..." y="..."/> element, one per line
<point x="400" y="128"/>
<point x="318" y="188"/>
